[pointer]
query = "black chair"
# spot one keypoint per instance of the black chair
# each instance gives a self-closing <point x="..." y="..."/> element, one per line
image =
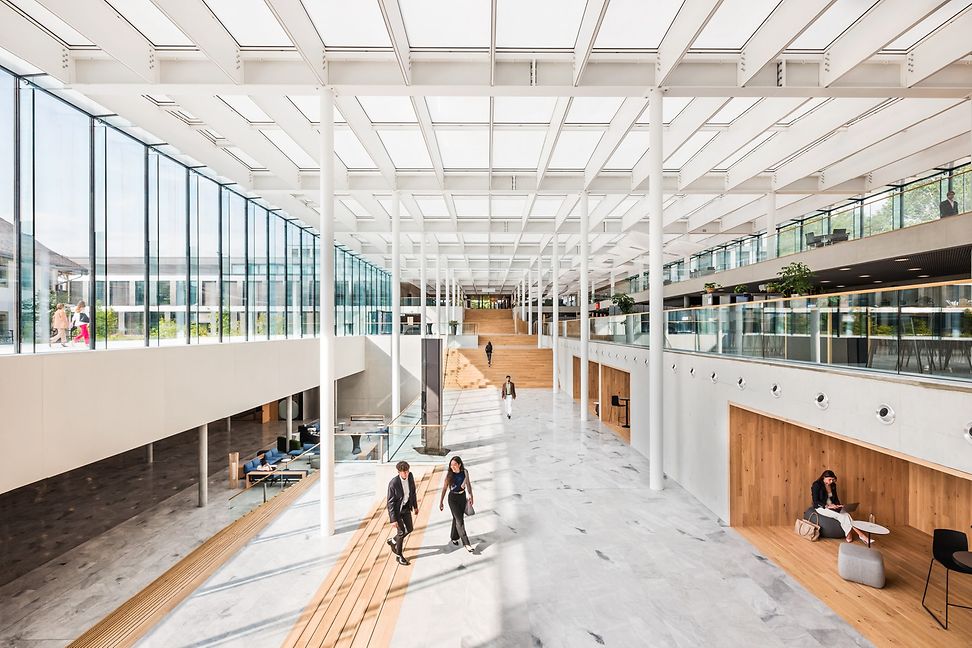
<point x="945" y="542"/>
<point x="616" y="401"/>
<point x="839" y="235"/>
<point x="811" y="240"/>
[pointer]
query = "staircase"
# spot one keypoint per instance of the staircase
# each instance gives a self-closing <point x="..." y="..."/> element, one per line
<point x="513" y="355"/>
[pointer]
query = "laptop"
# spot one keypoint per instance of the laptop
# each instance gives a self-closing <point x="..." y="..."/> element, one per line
<point x="850" y="508"/>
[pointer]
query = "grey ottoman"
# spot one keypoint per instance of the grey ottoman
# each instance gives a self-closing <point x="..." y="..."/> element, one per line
<point x="858" y="564"/>
<point x="829" y="527"/>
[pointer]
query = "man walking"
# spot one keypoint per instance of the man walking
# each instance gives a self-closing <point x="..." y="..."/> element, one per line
<point x="509" y="395"/>
<point x="401" y="505"/>
<point x="489" y="353"/>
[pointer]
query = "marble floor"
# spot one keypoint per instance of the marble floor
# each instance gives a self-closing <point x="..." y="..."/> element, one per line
<point x="572" y="549"/>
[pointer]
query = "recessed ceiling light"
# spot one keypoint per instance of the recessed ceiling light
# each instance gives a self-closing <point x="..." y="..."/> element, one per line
<point x="824" y="281"/>
<point x="843" y="268"/>
<point x="902" y="259"/>
<point x="914" y="269"/>
<point x="877" y="281"/>
<point x="923" y="276"/>
<point x="863" y="276"/>
<point x="841" y="286"/>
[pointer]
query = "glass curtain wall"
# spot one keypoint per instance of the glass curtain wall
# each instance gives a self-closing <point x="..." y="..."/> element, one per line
<point x="141" y="250"/>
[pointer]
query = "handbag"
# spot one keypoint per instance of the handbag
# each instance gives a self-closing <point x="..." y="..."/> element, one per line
<point x="469" y="508"/>
<point x="806" y="529"/>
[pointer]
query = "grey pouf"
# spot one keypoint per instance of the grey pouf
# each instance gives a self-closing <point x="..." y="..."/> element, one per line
<point x="858" y="564"/>
<point x="829" y="527"/>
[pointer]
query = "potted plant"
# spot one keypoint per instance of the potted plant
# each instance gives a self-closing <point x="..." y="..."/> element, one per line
<point x="741" y="293"/>
<point x="453" y="326"/>
<point x="795" y="279"/>
<point x="625" y="304"/>
<point x="711" y="287"/>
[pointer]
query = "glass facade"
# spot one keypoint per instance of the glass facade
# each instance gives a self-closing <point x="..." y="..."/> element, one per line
<point x="128" y="247"/>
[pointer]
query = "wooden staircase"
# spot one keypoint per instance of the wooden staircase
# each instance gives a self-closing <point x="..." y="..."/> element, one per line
<point x="527" y="365"/>
<point x="490" y="321"/>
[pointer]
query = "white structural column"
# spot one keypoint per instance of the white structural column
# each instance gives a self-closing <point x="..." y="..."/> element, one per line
<point x="396" y="339"/>
<point x="204" y="464"/>
<point x="771" y="225"/>
<point x="448" y="297"/>
<point x="585" y="332"/>
<point x="438" y="293"/>
<point x="423" y="282"/>
<point x="613" y="279"/>
<point x="656" y="287"/>
<point x="539" y="300"/>
<point x="555" y="295"/>
<point x="290" y="417"/>
<point x="523" y="314"/>
<point x="529" y="303"/>
<point x="326" y="318"/>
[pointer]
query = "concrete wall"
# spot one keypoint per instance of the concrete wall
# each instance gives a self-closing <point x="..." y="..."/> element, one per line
<point x="65" y="410"/>
<point x="930" y="422"/>
<point x="369" y="391"/>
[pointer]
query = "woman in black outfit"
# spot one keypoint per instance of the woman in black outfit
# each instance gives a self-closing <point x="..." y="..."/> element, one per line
<point x="457" y="483"/>
<point x="826" y="502"/>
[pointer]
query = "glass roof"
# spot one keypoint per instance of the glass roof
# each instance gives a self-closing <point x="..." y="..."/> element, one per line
<point x="538" y="24"/>
<point x="546" y="206"/>
<point x="349" y="149"/>
<point x="406" y="148"/>
<point x="636" y="24"/>
<point x="733" y="23"/>
<point x="508" y="206"/>
<point x="388" y="109"/>
<point x="348" y="24"/>
<point x="523" y="110"/>
<point x="745" y="150"/>
<point x="632" y="148"/>
<point x="51" y="22"/>
<point x="149" y="19"/>
<point x="310" y="106"/>
<point x="291" y="149"/>
<point x="250" y="22"/>
<point x="736" y="107"/>
<point x="688" y="150"/>
<point x="574" y="148"/>
<point x="841" y="15"/>
<point x="517" y="148"/>
<point x="463" y="148"/>
<point x="458" y="110"/>
<point x="911" y="37"/>
<point x="592" y="110"/>
<point x="246" y="107"/>
<point x="471" y="206"/>
<point x="433" y="206"/>
<point x="446" y="23"/>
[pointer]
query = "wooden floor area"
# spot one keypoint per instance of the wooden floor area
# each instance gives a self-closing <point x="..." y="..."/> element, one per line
<point x="136" y="616"/>
<point x="358" y="603"/>
<point x="892" y="616"/>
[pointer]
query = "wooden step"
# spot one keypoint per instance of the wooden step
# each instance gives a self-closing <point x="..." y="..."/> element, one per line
<point x="528" y="366"/>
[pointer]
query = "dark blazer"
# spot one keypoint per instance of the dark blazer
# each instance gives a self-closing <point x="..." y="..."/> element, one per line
<point x="945" y="209"/>
<point x="489" y="347"/>
<point x="512" y="389"/>
<point x="396" y="494"/>
<point x="818" y="491"/>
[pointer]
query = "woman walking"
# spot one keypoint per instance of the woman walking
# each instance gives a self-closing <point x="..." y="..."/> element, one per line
<point x="81" y="320"/>
<point x="60" y="323"/>
<point x="457" y="483"/>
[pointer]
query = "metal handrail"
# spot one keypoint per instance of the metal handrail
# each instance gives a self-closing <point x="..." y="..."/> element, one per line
<point x="271" y="473"/>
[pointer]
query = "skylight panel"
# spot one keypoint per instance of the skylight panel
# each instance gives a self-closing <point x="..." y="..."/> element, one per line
<point x="433" y="206"/>
<point x="804" y="109"/>
<point x="917" y="33"/>
<point x="472" y="206"/>
<point x="841" y="15"/>
<point x="291" y="149"/>
<point x="310" y="106"/>
<point x="523" y="110"/>
<point x="546" y="206"/>
<point x="593" y="110"/>
<point x="446" y="23"/>
<point x="636" y="24"/>
<point x="355" y="208"/>
<point x="728" y="113"/>
<point x="348" y="24"/>
<point x="733" y="23"/>
<point x="517" y="148"/>
<point x="246" y="107"/>
<point x="508" y="206"/>
<point x="458" y="110"/>
<point x="465" y="148"/>
<point x="745" y="150"/>
<point x="388" y="109"/>
<point x="250" y="22"/>
<point x="574" y="148"/>
<point x="407" y="148"/>
<point x="243" y="157"/>
<point x="687" y="150"/>
<point x="632" y="148"/>
<point x="149" y="19"/>
<point x="349" y="149"/>
<point x="623" y="207"/>
<point x="51" y="22"/>
<point x="538" y="24"/>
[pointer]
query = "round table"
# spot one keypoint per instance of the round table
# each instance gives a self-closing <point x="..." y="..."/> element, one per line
<point x="963" y="558"/>
<point x="869" y="528"/>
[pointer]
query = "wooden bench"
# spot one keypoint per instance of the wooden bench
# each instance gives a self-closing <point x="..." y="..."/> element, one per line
<point x="359" y="601"/>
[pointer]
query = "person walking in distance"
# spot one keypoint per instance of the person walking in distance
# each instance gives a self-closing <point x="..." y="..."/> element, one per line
<point x="60" y="323"/>
<point x="81" y="320"/>
<point x="401" y="505"/>
<point x="489" y="353"/>
<point x="509" y="395"/>
<point x="459" y="486"/>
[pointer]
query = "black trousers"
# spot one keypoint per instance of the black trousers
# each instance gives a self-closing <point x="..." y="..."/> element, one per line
<point x="404" y="528"/>
<point x="489" y="358"/>
<point x="457" y="504"/>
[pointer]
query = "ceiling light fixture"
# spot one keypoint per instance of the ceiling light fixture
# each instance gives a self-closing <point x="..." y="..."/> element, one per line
<point x="901" y="259"/>
<point x="843" y="269"/>
<point x="825" y="281"/>
<point x="841" y="286"/>
<point x="864" y="276"/>
<point x="923" y="276"/>
<point x="878" y="281"/>
<point x="913" y="269"/>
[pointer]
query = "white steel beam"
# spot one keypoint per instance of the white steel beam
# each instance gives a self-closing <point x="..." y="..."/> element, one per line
<point x="790" y="19"/>
<point x="428" y="134"/>
<point x="102" y="25"/>
<point x="713" y="211"/>
<point x="689" y="23"/>
<point x="395" y="24"/>
<point x="293" y="17"/>
<point x="587" y="34"/>
<point x="553" y="134"/>
<point x="198" y="22"/>
<point x="808" y="129"/>
<point x="875" y="29"/>
<point x="286" y="115"/>
<point x="361" y="126"/>
<point x="744" y="129"/>
<point x="927" y="158"/>
<point x="944" y="47"/>
<point x="24" y="39"/>
<point x="624" y="119"/>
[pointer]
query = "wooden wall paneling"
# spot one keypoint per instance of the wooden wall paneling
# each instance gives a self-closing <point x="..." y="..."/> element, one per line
<point x="575" y="374"/>
<point x="938" y="500"/>
<point x="614" y="382"/>
<point x="593" y="384"/>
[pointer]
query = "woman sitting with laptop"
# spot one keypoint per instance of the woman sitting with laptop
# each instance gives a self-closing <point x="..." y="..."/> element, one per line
<point x="826" y="502"/>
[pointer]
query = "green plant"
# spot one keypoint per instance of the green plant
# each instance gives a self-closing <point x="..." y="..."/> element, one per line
<point x="772" y="287"/>
<point x="624" y="302"/>
<point x="795" y="279"/>
<point x="711" y="287"/>
<point x="741" y="289"/>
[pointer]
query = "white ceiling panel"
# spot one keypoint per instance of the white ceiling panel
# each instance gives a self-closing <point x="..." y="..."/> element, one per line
<point x="348" y="24"/>
<point x="841" y="15"/>
<point x="446" y="23"/>
<point x="636" y="24"/>
<point x="508" y="206"/>
<point x="632" y="148"/>
<point x="733" y="23"/>
<point x="250" y="22"/>
<point x="538" y="24"/>
<point x="574" y="148"/>
<point x="310" y="106"/>
<point x="593" y="110"/>
<point x="472" y="206"/>
<point x="433" y="206"/>
<point x="517" y="148"/>
<point x="388" y="109"/>
<point x="458" y="110"/>
<point x="523" y="110"/>
<point x="291" y="149"/>
<point x="465" y="148"/>
<point x="407" y="148"/>
<point x="349" y="149"/>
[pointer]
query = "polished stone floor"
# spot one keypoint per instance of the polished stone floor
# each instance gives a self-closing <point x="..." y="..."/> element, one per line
<point x="572" y="549"/>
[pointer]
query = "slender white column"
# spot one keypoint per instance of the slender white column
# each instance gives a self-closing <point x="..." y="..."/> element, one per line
<point x="396" y="339"/>
<point x="529" y="303"/>
<point x="290" y="418"/>
<point x="770" y="224"/>
<point x="447" y="297"/>
<point x="539" y="300"/>
<point x="203" y="464"/>
<point x="438" y="294"/>
<point x="423" y="282"/>
<point x="613" y="279"/>
<point x="585" y="332"/>
<point x="555" y="294"/>
<point x="326" y="318"/>
<point x="656" y="287"/>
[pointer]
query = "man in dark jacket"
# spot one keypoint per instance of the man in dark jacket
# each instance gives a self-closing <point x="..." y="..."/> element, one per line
<point x="948" y="207"/>
<point x="401" y="505"/>
<point x="489" y="353"/>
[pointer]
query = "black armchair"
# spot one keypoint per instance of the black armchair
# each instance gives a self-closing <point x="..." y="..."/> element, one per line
<point x="945" y="542"/>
